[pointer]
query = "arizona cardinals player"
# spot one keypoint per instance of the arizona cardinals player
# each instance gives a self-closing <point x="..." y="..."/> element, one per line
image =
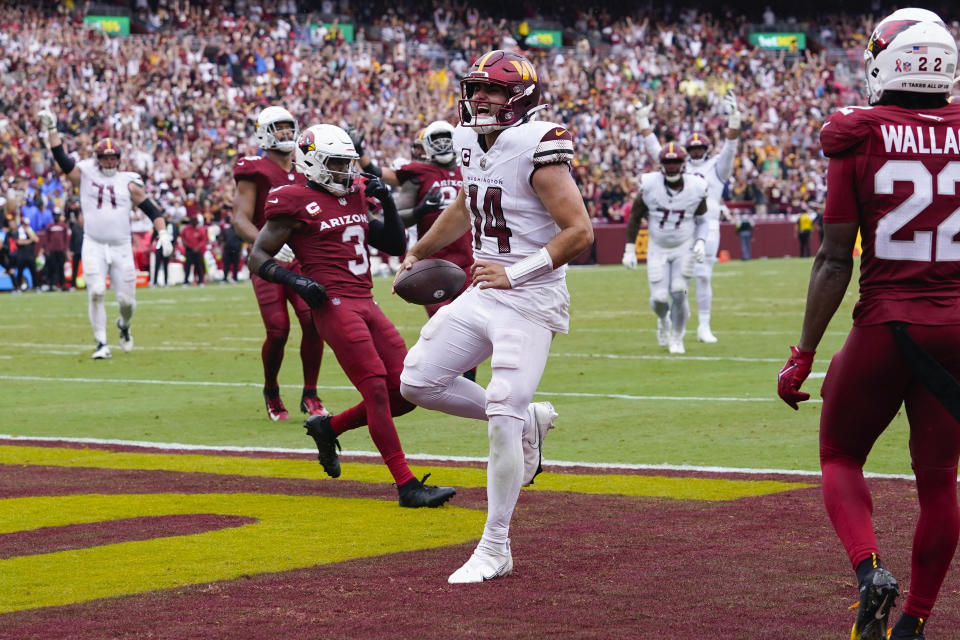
<point x="107" y="197"/>
<point x="528" y="220"/>
<point x="276" y="132"/>
<point x="716" y="170"/>
<point x="674" y="203"/>
<point x="892" y="175"/>
<point x="326" y="222"/>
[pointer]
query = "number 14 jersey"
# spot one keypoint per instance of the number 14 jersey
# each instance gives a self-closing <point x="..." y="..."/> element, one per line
<point x="509" y="220"/>
<point x="896" y="171"/>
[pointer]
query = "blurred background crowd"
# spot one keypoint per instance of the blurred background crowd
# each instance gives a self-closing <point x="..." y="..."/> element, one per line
<point x="181" y="92"/>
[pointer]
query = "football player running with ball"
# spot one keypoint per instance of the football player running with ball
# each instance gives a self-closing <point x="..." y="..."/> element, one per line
<point x="528" y="221"/>
<point x="892" y="175"/>
<point x="277" y="133"/>
<point x="674" y="203"/>
<point x="716" y="170"/>
<point x="107" y="197"/>
<point x="326" y="223"/>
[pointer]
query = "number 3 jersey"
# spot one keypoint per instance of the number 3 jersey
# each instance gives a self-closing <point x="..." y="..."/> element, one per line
<point x="105" y="202"/>
<point x="895" y="171"/>
<point x="509" y="220"/>
<point x="331" y="244"/>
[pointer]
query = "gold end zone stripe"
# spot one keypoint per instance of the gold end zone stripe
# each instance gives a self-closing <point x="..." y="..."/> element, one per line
<point x="682" y="488"/>
<point x="290" y="532"/>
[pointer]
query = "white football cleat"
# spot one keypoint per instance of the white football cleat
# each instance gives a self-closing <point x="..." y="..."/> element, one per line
<point x="663" y="331"/>
<point x="676" y="343"/>
<point x="102" y="352"/>
<point x="542" y="415"/>
<point x="126" y="340"/>
<point x="484" y="565"/>
<point x="705" y="335"/>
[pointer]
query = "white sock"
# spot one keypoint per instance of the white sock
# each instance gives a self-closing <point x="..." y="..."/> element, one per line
<point x="504" y="477"/>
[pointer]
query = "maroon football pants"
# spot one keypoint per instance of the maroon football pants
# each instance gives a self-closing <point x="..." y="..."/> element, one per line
<point x="866" y="384"/>
<point x="371" y="351"/>
<point x="272" y="299"/>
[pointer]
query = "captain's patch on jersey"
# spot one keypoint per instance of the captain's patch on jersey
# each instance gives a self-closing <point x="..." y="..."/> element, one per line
<point x="555" y="146"/>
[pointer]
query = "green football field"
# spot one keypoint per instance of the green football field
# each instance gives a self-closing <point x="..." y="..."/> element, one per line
<point x="195" y="376"/>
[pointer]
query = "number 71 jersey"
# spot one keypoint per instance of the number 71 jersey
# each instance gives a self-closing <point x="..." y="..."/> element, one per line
<point x="896" y="172"/>
<point x="509" y="220"/>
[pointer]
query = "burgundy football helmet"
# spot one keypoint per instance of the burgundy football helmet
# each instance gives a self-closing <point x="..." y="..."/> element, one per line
<point x="673" y="157"/>
<point x="108" y="156"/>
<point x="518" y="78"/>
<point x="697" y="146"/>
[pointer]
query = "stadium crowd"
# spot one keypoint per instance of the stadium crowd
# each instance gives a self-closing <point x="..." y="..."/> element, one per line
<point x="181" y="97"/>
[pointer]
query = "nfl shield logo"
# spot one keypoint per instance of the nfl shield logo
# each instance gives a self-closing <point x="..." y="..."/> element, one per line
<point x="483" y="163"/>
<point x="342" y="201"/>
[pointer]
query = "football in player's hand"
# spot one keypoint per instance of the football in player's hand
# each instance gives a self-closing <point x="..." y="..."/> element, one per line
<point x="430" y="281"/>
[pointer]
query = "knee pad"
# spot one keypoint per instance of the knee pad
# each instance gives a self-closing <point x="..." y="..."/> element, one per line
<point x="704" y="269"/>
<point x="97" y="292"/>
<point x="660" y="296"/>
<point x="678" y="297"/>
<point x="497" y="396"/>
<point x="126" y="301"/>
<point x="277" y="334"/>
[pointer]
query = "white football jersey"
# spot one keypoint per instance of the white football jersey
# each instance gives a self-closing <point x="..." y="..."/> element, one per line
<point x="670" y="214"/>
<point x="716" y="170"/>
<point x="105" y="202"/>
<point x="510" y="222"/>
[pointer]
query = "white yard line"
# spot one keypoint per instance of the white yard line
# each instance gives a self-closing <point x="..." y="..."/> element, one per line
<point x="603" y="466"/>
<point x="207" y="383"/>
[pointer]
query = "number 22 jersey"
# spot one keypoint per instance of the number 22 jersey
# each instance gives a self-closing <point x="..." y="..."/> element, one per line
<point x="896" y="171"/>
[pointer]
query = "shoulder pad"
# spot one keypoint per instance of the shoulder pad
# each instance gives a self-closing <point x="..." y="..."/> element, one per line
<point x="845" y="129"/>
<point x="555" y="146"/>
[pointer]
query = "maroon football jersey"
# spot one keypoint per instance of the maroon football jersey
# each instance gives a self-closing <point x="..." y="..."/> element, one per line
<point x="895" y="171"/>
<point x="266" y="174"/>
<point x="429" y="175"/>
<point x="331" y="245"/>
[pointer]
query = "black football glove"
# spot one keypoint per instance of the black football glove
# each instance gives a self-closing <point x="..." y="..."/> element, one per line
<point x="356" y="137"/>
<point x="311" y="291"/>
<point x="376" y="187"/>
<point x="430" y="203"/>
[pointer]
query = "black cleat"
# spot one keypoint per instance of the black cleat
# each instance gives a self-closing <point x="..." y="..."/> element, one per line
<point x="878" y="594"/>
<point x="318" y="428"/>
<point x="908" y="628"/>
<point x="415" y="494"/>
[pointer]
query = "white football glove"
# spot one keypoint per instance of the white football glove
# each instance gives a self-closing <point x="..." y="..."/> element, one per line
<point x="630" y="256"/>
<point x="699" y="250"/>
<point x="732" y="109"/>
<point x="642" y="115"/>
<point x="48" y="119"/>
<point x="285" y="254"/>
<point x="165" y="243"/>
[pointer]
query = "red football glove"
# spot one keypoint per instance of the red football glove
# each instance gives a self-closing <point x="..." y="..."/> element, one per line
<point x="792" y="376"/>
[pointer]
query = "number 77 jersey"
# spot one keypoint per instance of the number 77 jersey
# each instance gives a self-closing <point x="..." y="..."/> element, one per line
<point x="509" y="220"/>
<point x="895" y="171"/>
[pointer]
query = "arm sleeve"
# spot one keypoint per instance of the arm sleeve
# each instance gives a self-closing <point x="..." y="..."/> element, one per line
<point x="65" y="162"/>
<point x="725" y="159"/>
<point x="389" y="235"/>
<point x="652" y="145"/>
<point x="150" y="208"/>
